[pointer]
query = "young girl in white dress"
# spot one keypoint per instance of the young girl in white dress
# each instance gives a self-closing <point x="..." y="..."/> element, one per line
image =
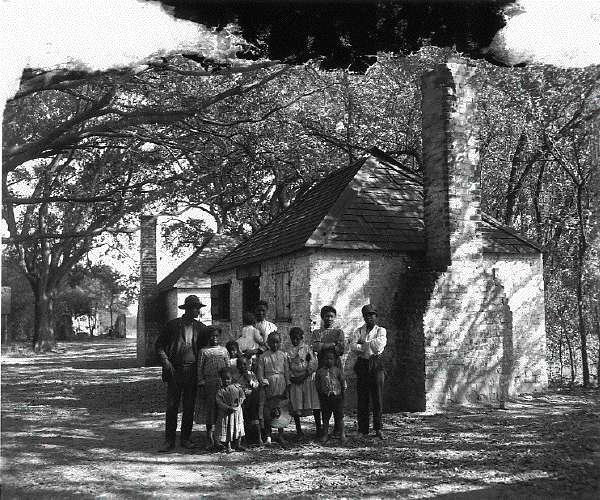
<point x="229" y="425"/>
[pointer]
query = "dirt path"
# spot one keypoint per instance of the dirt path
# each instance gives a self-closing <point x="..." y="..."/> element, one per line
<point x="86" y="422"/>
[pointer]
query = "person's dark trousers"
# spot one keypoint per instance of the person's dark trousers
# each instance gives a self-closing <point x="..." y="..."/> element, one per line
<point x="182" y="386"/>
<point x="332" y="405"/>
<point x="369" y="391"/>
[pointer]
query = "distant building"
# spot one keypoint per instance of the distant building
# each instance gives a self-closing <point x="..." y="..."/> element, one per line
<point x="190" y="277"/>
<point x="158" y="303"/>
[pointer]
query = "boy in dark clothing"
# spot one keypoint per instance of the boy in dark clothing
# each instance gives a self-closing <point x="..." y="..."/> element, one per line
<point x="331" y="385"/>
<point x="177" y="348"/>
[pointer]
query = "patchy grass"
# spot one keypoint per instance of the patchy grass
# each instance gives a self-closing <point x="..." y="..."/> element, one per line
<point x="86" y="422"/>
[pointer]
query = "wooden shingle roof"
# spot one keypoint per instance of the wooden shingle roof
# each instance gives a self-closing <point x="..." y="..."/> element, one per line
<point x="373" y="204"/>
<point x="290" y="230"/>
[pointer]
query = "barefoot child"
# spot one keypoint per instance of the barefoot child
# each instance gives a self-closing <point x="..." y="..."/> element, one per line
<point x="273" y="375"/>
<point x="212" y="359"/>
<point x="303" y="393"/>
<point x="331" y="386"/>
<point x="247" y="380"/>
<point x="229" y="426"/>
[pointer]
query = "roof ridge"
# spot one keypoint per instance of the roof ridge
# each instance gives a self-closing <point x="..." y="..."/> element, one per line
<point x="495" y="222"/>
<point x="356" y="165"/>
<point x="375" y="151"/>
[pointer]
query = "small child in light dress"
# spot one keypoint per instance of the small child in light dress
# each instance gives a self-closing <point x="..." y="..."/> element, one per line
<point x="229" y="427"/>
<point x="212" y="359"/>
<point x="247" y="380"/>
<point x="303" y="393"/>
<point x="274" y="378"/>
<point x="233" y="349"/>
<point x="251" y="342"/>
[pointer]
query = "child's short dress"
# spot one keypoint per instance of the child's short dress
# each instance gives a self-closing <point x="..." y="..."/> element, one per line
<point x="229" y="426"/>
<point x="250" y="340"/>
<point x="212" y="360"/>
<point x="273" y="368"/>
<point x="249" y="383"/>
<point x="303" y="397"/>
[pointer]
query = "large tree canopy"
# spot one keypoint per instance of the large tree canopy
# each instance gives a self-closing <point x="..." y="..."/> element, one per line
<point x="348" y="34"/>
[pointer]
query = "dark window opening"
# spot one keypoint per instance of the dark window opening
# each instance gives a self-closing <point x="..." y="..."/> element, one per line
<point x="250" y="293"/>
<point x="219" y="302"/>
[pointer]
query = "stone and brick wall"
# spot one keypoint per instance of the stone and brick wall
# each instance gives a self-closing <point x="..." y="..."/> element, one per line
<point x="468" y="327"/>
<point x="148" y="320"/>
<point x="297" y="266"/>
<point x="346" y="279"/>
<point x="483" y="326"/>
<point x="521" y="277"/>
<point x="349" y="279"/>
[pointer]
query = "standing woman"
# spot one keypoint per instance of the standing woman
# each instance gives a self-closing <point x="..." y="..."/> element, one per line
<point x="328" y="337"/>
<point x="370" y="375"/>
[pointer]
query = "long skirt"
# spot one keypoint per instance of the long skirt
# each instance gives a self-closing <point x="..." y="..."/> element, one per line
<point x="206" y="406"/>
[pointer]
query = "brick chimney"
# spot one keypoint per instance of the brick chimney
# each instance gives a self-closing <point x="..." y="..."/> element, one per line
<point x="147" y="324"/>
<point x="466" y="325"/>
<point x="450" y="157"/>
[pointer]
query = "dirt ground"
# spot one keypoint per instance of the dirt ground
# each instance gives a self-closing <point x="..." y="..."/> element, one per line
<point x="85" y="422"/>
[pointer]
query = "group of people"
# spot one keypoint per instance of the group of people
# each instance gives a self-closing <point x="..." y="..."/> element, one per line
<point x="246" y="383"/>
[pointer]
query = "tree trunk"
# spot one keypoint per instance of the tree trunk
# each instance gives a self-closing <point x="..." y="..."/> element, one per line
<point x="585" y="370"/>
<point x="571" y="360"/>
<point x="560" y="357"/>
<point x="110" y="308"/>
<point x="581" y="250"/>
<point x="43" y="332"/>
<point x="511" y="190"/>
<point x="597" y="310"/>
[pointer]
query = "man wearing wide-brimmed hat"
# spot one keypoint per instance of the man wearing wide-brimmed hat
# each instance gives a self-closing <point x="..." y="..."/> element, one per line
<point x="177" y="348"/>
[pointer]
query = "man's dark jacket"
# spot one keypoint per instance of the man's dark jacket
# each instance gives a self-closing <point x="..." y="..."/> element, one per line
<point x="172" y="340"/>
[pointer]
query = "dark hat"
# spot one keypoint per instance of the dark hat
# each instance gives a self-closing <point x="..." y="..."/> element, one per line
<point x="369" y="309"/>
<point x="191" y="301"/>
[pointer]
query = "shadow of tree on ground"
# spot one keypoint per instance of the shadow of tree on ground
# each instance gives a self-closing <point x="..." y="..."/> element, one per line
<point x="87" y="421"/>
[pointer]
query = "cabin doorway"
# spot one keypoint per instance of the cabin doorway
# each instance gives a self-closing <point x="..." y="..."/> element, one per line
<point x="250" y="293"/>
